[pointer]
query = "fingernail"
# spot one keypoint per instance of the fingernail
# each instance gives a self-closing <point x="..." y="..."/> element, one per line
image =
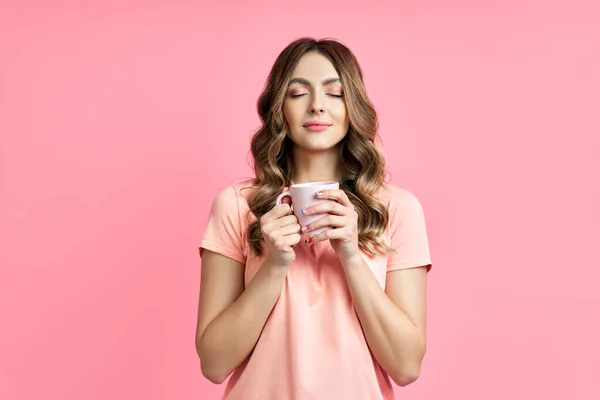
<point x="305" y="228"/>
<point x="319" y="193"/>
<point x="304" y="212"/>
<point x="307" y="241"/>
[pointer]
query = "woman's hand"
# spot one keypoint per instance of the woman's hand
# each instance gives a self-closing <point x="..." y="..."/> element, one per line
<point x="344" y="220"/>
<point x="280" y="231"/>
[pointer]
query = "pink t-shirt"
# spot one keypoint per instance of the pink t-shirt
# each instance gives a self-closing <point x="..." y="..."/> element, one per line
<point x="312" y="345"/>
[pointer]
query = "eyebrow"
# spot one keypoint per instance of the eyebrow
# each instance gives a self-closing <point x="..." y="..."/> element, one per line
<point x="305" y="82"/>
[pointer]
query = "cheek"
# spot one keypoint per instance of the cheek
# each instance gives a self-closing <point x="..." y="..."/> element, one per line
<point x="286" y="111"/>
<point x="289" y="114"/>
<point x="340" y="113"/>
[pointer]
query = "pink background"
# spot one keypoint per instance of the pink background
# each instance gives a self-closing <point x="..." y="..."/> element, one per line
<point x="120" y="122"/>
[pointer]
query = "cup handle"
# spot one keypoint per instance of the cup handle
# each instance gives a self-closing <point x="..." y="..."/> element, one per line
<point x="286" y="193"/>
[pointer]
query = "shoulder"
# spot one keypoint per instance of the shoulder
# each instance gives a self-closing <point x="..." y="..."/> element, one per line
<point x="397" y="197"/>
<point x="401" y="202"/>
<point x="235" y="195"/>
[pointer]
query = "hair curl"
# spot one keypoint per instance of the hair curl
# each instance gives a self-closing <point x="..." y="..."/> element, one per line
<point x="363" y="164"/>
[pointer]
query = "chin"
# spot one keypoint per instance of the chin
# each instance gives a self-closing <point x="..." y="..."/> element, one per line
<point x="318" y="143"/>
<point x="318" y="147"/>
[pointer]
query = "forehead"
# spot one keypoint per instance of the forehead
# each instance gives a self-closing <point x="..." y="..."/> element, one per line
<point x="314" y="67"/>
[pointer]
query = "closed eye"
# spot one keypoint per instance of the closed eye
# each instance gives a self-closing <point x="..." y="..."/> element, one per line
<point x="296" y="95"/>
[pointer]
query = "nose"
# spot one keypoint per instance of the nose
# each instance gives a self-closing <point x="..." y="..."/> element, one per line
<point x="316" y="106"/>
<point x="317" y="110"/>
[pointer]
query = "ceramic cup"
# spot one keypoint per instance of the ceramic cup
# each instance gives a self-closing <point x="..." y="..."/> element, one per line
<point x="304" y="195"/>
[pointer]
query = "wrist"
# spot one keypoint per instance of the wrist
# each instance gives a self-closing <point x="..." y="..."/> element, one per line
<point x="353" y="261"/>
<point x="275" y="266"/>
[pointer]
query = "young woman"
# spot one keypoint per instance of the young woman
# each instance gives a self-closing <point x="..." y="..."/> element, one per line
<point x="291" y="315"/>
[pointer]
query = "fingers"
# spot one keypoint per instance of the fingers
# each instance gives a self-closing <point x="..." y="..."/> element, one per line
<point x="337" y="195"/>
<point x="283" y="221"/>
<point x="331" y="220"/>
<point x="331" y="207"/>
<point x="280" y="227"/>
<point x="281" y="236"/>
<point x="287" y="230"/>
<point x="293" y="239"/>
<point x="345" y="235"/>
<point x="283" y="243"/>
<point x="274" y="225"/>
<point x="280" y="210"/>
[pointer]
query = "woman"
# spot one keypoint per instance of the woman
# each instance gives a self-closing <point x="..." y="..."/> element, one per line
<point x="327" y="316"/>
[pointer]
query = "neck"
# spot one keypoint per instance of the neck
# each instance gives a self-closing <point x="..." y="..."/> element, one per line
<point x="316" y="167"/>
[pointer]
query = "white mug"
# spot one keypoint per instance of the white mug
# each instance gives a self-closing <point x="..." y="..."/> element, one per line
<point x="303" y="195"/>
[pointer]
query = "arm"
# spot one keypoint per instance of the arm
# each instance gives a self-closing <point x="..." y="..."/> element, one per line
<point x="230" y="319"/>
<point x="393" y="321"/>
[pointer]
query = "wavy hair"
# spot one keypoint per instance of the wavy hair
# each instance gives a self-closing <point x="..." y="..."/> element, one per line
<point x="363" y="164"/>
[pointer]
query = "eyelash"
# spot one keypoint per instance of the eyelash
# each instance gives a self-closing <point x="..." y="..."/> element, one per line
<point x="295" y="96"/>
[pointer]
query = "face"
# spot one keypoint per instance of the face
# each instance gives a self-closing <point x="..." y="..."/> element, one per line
<point x="314" y="106"/>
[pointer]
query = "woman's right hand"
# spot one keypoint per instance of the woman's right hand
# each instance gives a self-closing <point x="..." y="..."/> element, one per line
<point x="281" y="231"/>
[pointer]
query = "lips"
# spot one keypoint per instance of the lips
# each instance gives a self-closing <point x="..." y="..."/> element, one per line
<point x="316" y="127"/>
<point x="316" y="124"/>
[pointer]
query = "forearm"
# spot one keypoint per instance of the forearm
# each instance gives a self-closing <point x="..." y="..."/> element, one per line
<point x="229" y="338"/>
<point x="395" y="341"/>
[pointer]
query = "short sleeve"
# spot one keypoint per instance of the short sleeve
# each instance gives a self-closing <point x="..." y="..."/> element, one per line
<point x="408" y="234"/>
<point x="223" y="231"/>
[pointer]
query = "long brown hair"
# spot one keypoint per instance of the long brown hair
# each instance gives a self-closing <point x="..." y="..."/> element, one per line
<point x="363" y="164"/>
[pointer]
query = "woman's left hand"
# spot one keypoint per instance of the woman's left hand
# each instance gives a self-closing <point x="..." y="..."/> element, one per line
<point x="344" y="220"/>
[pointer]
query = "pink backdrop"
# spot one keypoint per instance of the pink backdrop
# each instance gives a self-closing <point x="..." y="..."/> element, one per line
<point x="120" y="122"/>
